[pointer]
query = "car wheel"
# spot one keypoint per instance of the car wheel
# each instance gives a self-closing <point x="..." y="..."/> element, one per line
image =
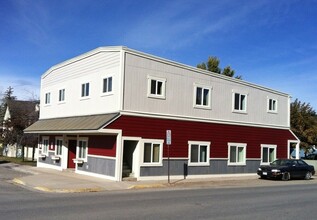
<point x="308" y="175"/>
<point x="286" y="176"/>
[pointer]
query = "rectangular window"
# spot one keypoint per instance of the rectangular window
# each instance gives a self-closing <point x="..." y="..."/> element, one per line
<point x="58" y="148"/>
<point x="236" y="154"/>
<point x="107" y="85"/>
<point x="272" y="105"/>
<point x="45" y="145"/>
<point x="156" y="87"/>
<point x="61" y="96"/>
<point x="202" y="96"/>
<point x="268" y="153"/>
<point x="198" y="153"/>
<point x="82" y="149"/>
<point x="85" y="90"/>
<point x="47" y="98"/>
<point x="240" y="102"/>
<point x="152" y="152"/>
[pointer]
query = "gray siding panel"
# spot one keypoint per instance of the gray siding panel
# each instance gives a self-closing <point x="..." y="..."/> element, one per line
<point x="48" y="160"/>
<point x="179" y="167"/>
<point x="101" y="166"/>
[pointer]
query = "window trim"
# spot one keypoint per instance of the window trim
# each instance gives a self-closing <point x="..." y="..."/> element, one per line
<point x="269" y="146"/>
<point x="45" y="138"/>
<point x="82" y="139"/>
<point x="56" y="146"/>
<point x="268" y="105"/>
<point x="59" y="95"/>
<point x="152" y="141"/>
<point x="102" y="85"/>
<point x="157" y="96"/>
<point x="199" y="143"/>
<point x="47" y="98"/>
<point x="237" y="145"/>
<point x="84" y="96"/>
<point x="204" y="87"/>
<point x="234" y="99"/>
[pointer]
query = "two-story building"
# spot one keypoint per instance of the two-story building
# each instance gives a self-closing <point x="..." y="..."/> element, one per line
<point x="106" y="113"/>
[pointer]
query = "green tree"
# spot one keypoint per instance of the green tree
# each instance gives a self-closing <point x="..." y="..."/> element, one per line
<point x="304" y="123"/>
<point x="212" y="65"/>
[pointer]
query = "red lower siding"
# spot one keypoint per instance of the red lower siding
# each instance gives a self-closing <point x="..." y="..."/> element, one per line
<point x="102" y="145"/>
<point x="218" y="134"/>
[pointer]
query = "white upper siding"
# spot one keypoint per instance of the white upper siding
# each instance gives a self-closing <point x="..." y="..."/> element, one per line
<point x="179" y="101"/>
<point x="90" y="68"/>
<point x="130" y="71"/>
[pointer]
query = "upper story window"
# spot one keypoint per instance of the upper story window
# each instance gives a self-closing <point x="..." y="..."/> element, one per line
<point x="152" y="152"/>
<point x="156" y="87"/>
<point x="202" y="96"/>
<point x="237" y="154"/>
<point x="272" y="105"/>
<point x="239" y="102"/>
<point x="47" y="98"/>
<point x="61" y="95"/>
<point x="85" y="90"/>
<point x="107" y="85"/>
<point x="198" y="153"/>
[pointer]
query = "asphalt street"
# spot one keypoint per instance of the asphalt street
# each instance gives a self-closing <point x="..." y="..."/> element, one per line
<point x="292" y="200"/>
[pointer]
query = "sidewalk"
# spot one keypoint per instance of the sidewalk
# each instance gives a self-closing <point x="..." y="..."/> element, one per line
<point x="48" y="180"/>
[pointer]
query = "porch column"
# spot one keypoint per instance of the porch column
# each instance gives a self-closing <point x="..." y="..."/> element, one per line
<point x="297" y="150"/>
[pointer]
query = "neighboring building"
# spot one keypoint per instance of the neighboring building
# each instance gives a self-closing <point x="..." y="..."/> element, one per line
<point x="105" y="113"/>
<point x="22" y="114"/>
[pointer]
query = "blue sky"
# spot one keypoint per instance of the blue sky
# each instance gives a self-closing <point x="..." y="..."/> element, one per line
<point x="269" y="42"/>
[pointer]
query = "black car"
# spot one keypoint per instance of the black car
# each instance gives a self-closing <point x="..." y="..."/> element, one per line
<point x="286" y="169"/>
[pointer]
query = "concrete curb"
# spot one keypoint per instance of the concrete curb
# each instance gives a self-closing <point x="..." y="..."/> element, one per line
<point x="18" y="182"/>
<point x="147" y="186"/>
<point x="45" y="189"/>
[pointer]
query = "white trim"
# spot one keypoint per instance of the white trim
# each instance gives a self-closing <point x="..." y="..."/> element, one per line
<point x="95" y="175"/>
<point x="269" y="146"/>
<point x="48" y="146"/>
<point x="102" y="157"/>
<point x="119" y="155"/>
<point x="103" y="77"/>
<point x="237" y="145"/>
<point x="60" y="138"/>
<point x="217" y="176"/>
<point x="274" y="111"/>
<point x="157" y="79"/>
<point x="50" y="166"/>
<point x="152" y="141"/>
<point x="242" y="111"/>
<point x="83" y="139"/>
<point x="176" y="158"/>
<point x="209" y="97"/>
<point x="198" y="119"/>
<point x="199" y="143"/>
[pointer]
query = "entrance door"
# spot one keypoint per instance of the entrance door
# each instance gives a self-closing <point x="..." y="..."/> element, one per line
<point x="129" y="166"/>
<point x="71" y="153"/>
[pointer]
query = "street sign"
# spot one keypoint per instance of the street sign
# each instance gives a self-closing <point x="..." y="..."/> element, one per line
<point x="168" y="137"/>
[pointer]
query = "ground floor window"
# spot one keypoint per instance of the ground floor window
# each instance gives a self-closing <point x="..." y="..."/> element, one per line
<point x="268" y="153"/>
<point x="59" y="145"/>
<point x="82" y="149"/>
<point x="152" y="152"/>
<point x="237" y="153"/>
<point x="45" y="145"/>
<point x="198" y="153"/>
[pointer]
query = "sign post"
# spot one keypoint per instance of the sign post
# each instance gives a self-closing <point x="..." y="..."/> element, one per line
<point x="168" y="142"/>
